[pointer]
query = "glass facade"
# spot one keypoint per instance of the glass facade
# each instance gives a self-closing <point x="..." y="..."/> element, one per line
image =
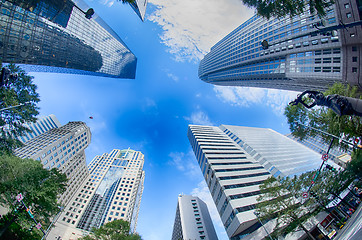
<point x="139" y="6"/>
<point x="55" y="36"/>
<point x="235" y="160"/>
<point x="293" y="60"/>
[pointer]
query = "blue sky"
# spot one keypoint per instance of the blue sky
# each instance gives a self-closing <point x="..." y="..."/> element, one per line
<point x="152" y="112"/>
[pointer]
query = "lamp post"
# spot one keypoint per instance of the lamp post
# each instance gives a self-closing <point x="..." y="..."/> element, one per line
<point x="257" y="216"/>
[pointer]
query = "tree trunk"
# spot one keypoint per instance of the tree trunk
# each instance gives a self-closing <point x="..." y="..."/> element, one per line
<point x="307" y="232"/>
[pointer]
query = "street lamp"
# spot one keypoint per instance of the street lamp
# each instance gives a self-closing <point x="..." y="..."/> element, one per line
<point x="257" y="216"/>
<point x="339" y="104"/>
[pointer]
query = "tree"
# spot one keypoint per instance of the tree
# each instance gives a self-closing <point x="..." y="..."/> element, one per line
<point x="127" y="1"/>
<point x="17" y="90"/>
<point x="281" y="200"/>
<point x="322" y="118"/>
<point x="283" y="8"/>
<point x="115" y="230"/>
<point x="40" y="188"/>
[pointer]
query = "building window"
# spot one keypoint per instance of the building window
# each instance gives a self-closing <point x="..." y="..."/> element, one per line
<point x="349" y="15"/>
<point x="346" y="6"/>
<point x="354" y="49"/>
<point x="354" y="59"/>
<point x="352" y="35"/>
<point x="354" y="69"/>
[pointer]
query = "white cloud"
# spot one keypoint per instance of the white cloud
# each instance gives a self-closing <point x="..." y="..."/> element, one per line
<point x="173" y="77"/>
<point x="203" y="192"/>
<point x="247" y="96"/>
<point x="185" y="163"/>
<point x="191" y="28"/>
<point x="200" y="118"/>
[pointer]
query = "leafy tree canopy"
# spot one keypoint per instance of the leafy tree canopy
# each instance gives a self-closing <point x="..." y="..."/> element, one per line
<point x="283" y="8"/>
<point x="40" y="188"/>
<point x="18" y="90"/>
<point x="115" y="230"/>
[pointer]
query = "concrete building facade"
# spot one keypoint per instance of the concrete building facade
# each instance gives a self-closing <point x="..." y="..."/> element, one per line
<point x="236" y="160"/>
<point x="297" y="58"/>
<point x="192" y="220"/>
<point x="113" y="190"/>
<point x="61" y="148"/>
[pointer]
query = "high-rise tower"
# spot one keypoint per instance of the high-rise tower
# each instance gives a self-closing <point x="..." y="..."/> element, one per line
<point x="113" y="190"/>
<point x="192" y="220"/>
<point x="61" y="148"/>
<point x="42" y="125"/>
<point x="236" y="160"/>
<point x="139" y="6"/>
<point x="297" y="58"/>
<point x="62" y="36"/>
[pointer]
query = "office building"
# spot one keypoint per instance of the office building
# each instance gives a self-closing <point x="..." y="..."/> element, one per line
<point x="318" y="144"/>
<point x="192" y="220"/>
<point x="42" y="125"/>
<point x="297" y="59"/>
<point x="236" y="160"/>
<point x="112" y="191"/>
<point x="139" y="6"/>
<point x="62" y="36"/>
<point x="61" y="148"/>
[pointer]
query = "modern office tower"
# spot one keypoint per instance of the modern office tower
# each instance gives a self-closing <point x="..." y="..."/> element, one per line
<point x="139" y="6"/>
<point x="296" y="59"/>
<point x="112" y="191"/>
<point x="236" y="160"/>
<point x="39" y="127"/>
<point x="62" y="148"/>
<point x="316" y="143"/>
<point x="192" y="220"/>
<point x="62" y="36"/>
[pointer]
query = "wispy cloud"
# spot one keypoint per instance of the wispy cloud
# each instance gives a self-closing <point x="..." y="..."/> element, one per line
<point x="108" y="3"/>
<point x="200" y="118"/>
<point x="203" y="192"/>
<point x="247" y="97"/>
<point x="173" y="77"/>
<point x="185" y="162"/>
<point x="191" y="27"/>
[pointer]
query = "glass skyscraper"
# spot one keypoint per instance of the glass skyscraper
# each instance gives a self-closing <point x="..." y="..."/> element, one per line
<point x="236" y="160"/>
<point x="297" y="58"/>
<point x="139" y="6"/>
<point x="113" y="190"/>
<point x="56" y="36"/>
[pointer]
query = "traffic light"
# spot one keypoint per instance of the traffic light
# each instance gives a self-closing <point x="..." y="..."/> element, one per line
<point x="329" y="167"/>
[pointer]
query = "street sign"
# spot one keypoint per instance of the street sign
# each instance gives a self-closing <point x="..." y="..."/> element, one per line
<point x="312" y="182"/>
<point x="325" y="157"/>
<point x="38" y="226"/>
<point x="19" y="197"/>
<point x="305" y="195"/>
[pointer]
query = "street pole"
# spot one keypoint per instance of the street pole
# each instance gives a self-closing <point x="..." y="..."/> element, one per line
<point x="256" y="214"/>
<point x="56" y="218"/>
<point x="19" y="105"/>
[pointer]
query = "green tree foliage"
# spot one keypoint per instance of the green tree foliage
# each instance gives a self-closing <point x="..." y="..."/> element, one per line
<point x="17" y="91"/>
<point x="281" y="200"/>
<point x="127" y="1"/>
<point x="40" y="188"/>
<point x="322" y="118"/>
<point x="283" y="8"/>
<point x="115" y="230"/>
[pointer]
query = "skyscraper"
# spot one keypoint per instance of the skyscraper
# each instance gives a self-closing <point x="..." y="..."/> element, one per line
<point x="62" y="36"/>
<point x="113" y="190"/>
<point x="236" y="160"/>
<point x="192" y="220"/>
<point x="42" y="125"/>
<point x="318" y="144"/>
<point x="297" y="59"/>
<point x="61" y="148"/>
<point x="139" y="6"/>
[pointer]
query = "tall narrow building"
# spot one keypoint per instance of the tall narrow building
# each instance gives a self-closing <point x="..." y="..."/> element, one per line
<point x="297" y="59"/>
<point x="112" y="191"/>
<point x="236" y="160"/>
<point x="61" y="148"/>
<point x="192" y="220"/>
<point x="41" y="126"/>
<point x="62" y="36"/>
<point x="139" y="6"/>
